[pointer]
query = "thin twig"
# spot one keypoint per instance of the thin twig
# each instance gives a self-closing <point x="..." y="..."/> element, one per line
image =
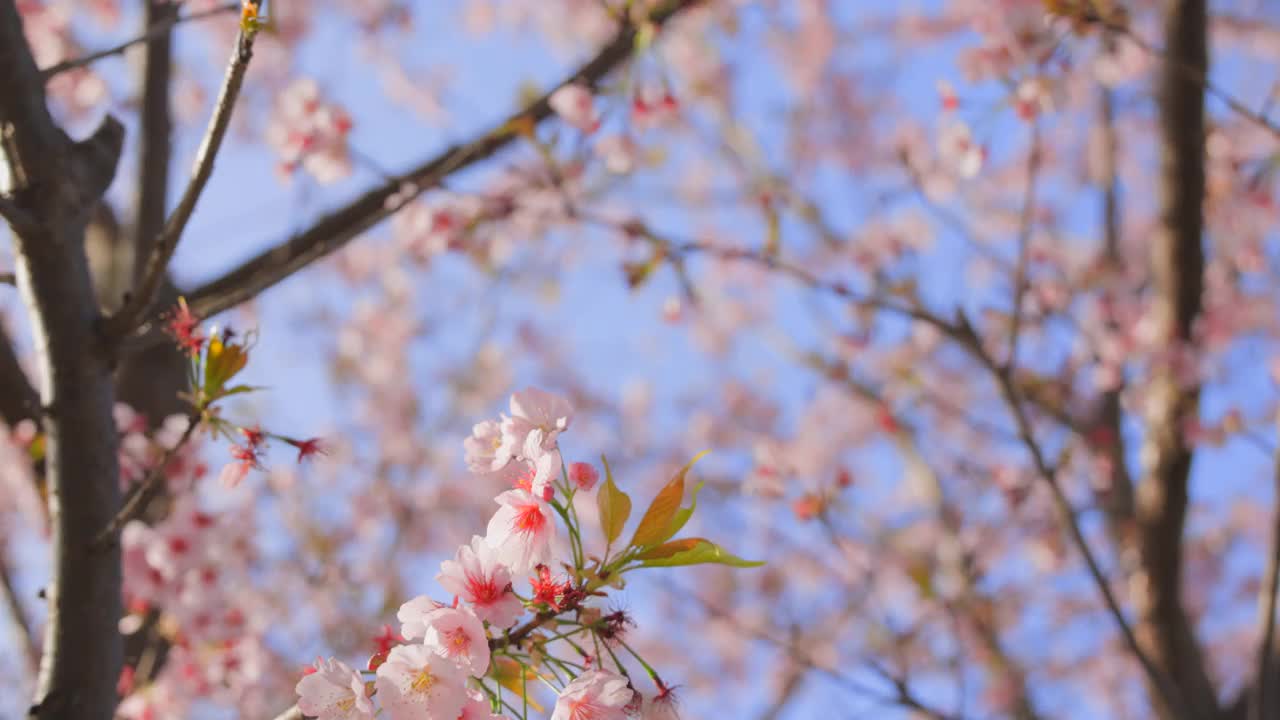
<point x="1198" y="77"/>
<point x="137" y="502"/>
<point x="139" y="302"/>
<point x="1169" y="693"/>
<point x="153" y="32"/>
<point x="1026" y="223"/>
<point x="337" y="228"/>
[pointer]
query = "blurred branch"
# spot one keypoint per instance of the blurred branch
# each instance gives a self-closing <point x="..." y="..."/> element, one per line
<point x="157" y="263"/>
<point x="1118" y="504"/>
<point x="1026" y="224"/>
<point x="1177" y="268"/>
<point x="338" y="227"/>
<point x="968" y="337"/>
<point x="902" y="696"/>
<point x="159" y="29"/>
<point x="1193" y="72"/>
<point x="154" y="138"/>
<point x="137" y="502"/>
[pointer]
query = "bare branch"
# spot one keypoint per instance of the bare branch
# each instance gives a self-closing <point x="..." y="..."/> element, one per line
<point x="1118" y="504"/>
<point x="1167" y="691"/>
<point x="1026" y="224"/>
<point x="154" y="137"/>
<point x="157" y="264"/>
<point x="1195" y="73"/>
<point x="159" y="29"/>
<point x="1177" y="267"/>
<point x="142" y="495"/>
<point x="340" y="226"/>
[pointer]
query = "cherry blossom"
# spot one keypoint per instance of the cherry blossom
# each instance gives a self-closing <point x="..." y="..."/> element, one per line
<point x="457" y="634"/>
<point x="334" y="692"/>
<point x="415" y="616"/>
<point x="594" y="695"/>
<point x="522" y="531"/>
<point x="416" y="682"/>
<point x="477" y="708"/>
<point x="576" y="105"/>
<point x="310" y="133"/>
<point x="477" y="577"/>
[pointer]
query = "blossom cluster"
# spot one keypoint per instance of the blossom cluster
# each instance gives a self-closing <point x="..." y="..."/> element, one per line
<point x="454" y="661"/>
<point x="310" y="133"/>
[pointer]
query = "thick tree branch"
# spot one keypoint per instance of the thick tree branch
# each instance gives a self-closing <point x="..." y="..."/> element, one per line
<point x="57" y="183"/>
<point x="340" y="226"/>
<point x="1177" y="267"/>
<point x="159" y="29"/>
<point x="157" y="262"/>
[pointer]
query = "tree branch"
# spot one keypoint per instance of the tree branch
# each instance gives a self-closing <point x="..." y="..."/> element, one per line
<point x="340" y="226"/>
<point x="1118" y="504"/>
<point x="160" y="29"/>
<point x="1177" y="268"/>
<point x="154" y="135"/>
<point x="1165" y="690"/>
<point x="57" y="182"/>
<point x="157" y="263"/>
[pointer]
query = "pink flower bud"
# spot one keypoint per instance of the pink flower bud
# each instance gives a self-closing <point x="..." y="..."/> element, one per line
<point x="583" y="475"/>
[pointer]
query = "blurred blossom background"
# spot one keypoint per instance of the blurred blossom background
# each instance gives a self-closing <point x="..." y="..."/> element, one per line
<point x="900" y="267"/>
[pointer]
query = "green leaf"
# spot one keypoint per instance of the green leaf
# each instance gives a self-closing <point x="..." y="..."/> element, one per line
<point x="694" y="551"/>
<point x="659" y="521"/>
<point x="683" y="515"/>
<point x="666" y="550"/>
<point x="237" y="390"/>
<point x="222" y="362"/>
<point x="615" y="506"/>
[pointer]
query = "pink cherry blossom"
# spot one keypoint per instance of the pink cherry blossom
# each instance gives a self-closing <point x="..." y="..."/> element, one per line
<point x="476" y="576"/>
<point x="416" y="683"/>
<point x="481" y="449"/>
<point x="310" y="133"/>
<point x="594" y="695"/>
<point x="521" y="531"/>
<point x="457" y="634"/>
<point x="576" y="105"/>
<point x="415" y="616"/>
<point x="531" y="410"/>
<point x="334" y="692"/>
